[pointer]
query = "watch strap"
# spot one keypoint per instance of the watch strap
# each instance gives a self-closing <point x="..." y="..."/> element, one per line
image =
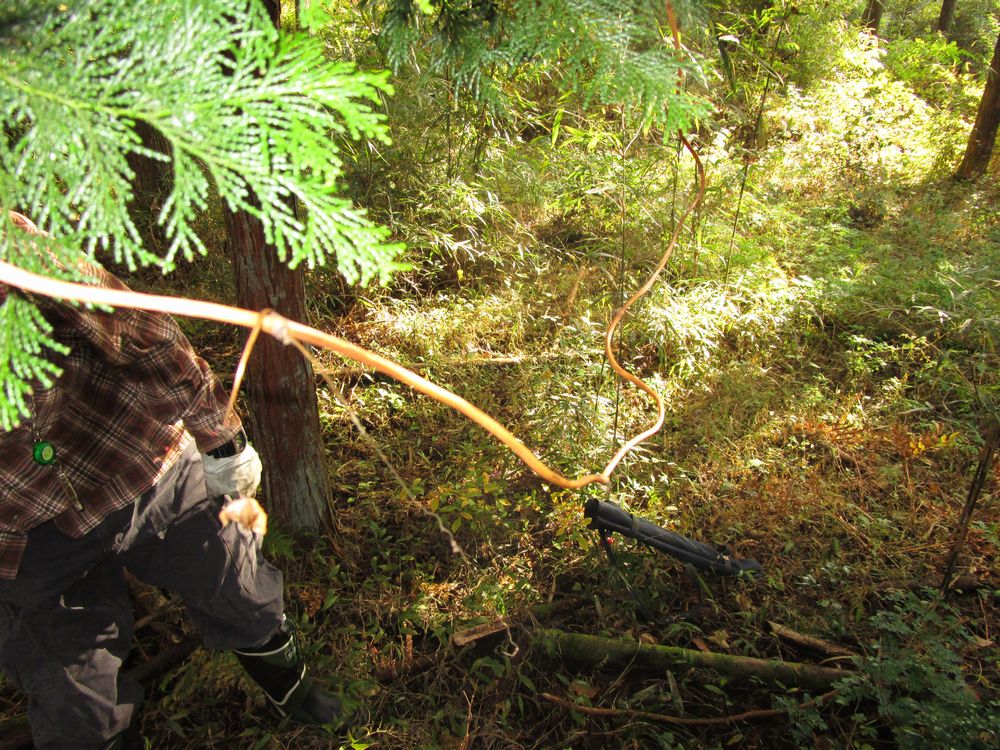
<point x="232" y="448"/>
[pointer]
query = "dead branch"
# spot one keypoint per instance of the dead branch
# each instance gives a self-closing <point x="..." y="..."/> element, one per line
<point x="810" y="642"/>
<point x="629" y="713"/>
<point x="478" y="632"/>
<point x="165" y="660"/>
<point x="540" y="612"/>
<point x="536" y="614"/>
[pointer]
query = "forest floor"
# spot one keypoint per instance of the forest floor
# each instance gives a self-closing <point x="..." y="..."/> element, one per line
<point x="826" y="388"/>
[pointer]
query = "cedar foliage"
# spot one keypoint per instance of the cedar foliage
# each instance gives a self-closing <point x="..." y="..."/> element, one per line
<point x="246" y="110"/>
<point x="249" y="111"/>
<point x="608" y="51"/>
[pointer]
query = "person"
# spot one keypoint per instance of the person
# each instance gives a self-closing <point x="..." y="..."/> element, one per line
<point x="124" y="464"/>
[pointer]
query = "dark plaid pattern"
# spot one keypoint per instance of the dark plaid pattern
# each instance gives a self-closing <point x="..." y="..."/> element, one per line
<point x="131" y="396"/>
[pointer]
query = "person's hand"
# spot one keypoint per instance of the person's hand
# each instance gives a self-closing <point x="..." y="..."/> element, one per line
<point x="236" y="476"/>
<point x="245" y="512"/>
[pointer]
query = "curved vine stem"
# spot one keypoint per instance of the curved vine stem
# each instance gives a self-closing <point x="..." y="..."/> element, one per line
<point x="286" y="330"/>
<point x="620" y="313"/>
<point x="241" y="368"/>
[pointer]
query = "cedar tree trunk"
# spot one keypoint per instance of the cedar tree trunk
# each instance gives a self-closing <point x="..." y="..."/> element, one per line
<point x="152" y="177"/>
<point x="280" y="384"/>
<point x="946" y="17"/>
<point x="872" y="16"/>
<point x="151" y="183"/>
<point x="984" y="132"/>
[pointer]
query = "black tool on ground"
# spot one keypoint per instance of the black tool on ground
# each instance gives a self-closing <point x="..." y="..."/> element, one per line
<point x="607" y="517"/>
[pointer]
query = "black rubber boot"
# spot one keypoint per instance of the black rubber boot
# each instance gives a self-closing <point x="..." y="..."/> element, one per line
<point x="279" y="669"/>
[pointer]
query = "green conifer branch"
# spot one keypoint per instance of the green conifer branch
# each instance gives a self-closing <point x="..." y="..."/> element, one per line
<point x="610" y="51"/>
<point x="250" y="114"/>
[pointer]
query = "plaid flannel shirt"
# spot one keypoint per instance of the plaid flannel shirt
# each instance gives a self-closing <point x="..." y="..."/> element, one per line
<point x="131" y="396"/>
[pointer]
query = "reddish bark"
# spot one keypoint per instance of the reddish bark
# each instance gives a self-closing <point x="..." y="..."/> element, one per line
<point x="984" y="131"/>
<point x="280" y="385"/>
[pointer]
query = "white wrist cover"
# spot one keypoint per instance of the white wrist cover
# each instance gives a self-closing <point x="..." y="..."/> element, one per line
<point x="236" y="476"/>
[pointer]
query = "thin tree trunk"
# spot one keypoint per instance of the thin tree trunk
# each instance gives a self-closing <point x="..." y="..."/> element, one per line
<point x="151" y="184"/>
<point x="872" y="16"/>
<point x="984" y="132"/>
<point x="946" y="17"/>
<point x="280" y="384"/>
<point x="152" y="176"/>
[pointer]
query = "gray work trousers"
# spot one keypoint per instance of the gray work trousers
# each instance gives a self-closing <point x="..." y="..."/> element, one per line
<point x="66" y="620"/>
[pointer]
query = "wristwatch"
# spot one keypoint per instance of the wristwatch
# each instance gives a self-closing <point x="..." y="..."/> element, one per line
<point x="233" y="448"/>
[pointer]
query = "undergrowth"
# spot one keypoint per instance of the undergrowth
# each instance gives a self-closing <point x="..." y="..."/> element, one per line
<point x="824" y="373"/>
<point x="825" y="376"/>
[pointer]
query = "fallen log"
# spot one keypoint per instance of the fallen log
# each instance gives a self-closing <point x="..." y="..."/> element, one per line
<point x="593" y="651"/>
